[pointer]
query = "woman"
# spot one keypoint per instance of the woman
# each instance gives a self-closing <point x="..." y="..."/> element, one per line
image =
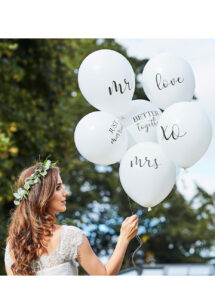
<point x="37" y="246"/>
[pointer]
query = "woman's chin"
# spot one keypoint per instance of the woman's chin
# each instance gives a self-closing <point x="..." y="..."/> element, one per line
<point x="62" y="209"/>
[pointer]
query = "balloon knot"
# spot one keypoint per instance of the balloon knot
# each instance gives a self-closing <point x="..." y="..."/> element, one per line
<point x="149" y="209"/>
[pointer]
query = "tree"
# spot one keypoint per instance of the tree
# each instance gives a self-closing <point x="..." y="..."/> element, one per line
<point x="178" y="232"/>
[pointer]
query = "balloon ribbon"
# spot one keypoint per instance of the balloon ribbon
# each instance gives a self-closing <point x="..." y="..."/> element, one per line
<point x="137" y="237"/>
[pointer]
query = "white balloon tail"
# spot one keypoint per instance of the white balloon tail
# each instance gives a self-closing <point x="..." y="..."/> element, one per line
<point x="185" y="171"/>
<point x="149" y="209"/>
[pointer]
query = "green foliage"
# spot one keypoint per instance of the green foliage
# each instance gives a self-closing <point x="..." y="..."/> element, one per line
<point x="40" y="105"/>
<point x="4" y="142"/>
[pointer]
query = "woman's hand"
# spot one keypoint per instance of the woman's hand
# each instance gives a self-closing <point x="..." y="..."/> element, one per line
<point x="129" y="228"/>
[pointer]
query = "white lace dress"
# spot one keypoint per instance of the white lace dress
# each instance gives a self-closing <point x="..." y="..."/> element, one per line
<point x="62" y="260"/>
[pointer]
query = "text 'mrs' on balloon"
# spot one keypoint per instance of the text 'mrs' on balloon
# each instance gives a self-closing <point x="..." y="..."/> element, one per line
<point x="146" y="174"/>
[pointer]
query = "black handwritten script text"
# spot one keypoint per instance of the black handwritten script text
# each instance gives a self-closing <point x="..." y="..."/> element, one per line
<point x="146" y="120"/>
<point x="146" y="126"/>
<point x="145" y="162"/>
<point x="163" y="83"/>
<point x="121" y="88"/>
<point x="144" y="115"/>
<point x="173" y="132"/>
<point x="114" y="126"/>
<point x="116" y="131"/>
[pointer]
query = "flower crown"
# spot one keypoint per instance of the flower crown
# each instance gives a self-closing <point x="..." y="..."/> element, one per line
<point x="33" y="179"/>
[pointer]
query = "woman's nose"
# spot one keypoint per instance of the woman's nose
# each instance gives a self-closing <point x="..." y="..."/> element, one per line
<point x="66" y="193"/>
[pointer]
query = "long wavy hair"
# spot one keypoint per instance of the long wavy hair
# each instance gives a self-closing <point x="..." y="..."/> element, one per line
<point x="31" y="223"/>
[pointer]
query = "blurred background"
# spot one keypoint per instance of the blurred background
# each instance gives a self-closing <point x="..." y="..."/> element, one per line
<point x="40" y="105"/>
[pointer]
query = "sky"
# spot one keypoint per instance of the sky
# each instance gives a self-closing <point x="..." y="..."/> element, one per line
<point x="200" y="54"/>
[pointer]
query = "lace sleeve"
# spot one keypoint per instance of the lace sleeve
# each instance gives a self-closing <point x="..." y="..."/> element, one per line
<point x="73" y="238"/>
<point x="7" y="258"/>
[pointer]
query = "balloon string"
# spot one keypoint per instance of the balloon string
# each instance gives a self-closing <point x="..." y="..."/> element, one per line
<point x="137" y="237"/>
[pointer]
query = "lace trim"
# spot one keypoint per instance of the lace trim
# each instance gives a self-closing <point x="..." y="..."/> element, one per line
<point x="67" y="250"/>
<point x="71" y="238"/>
<point x="7" y="258"/>
<point x="48" y="261"/>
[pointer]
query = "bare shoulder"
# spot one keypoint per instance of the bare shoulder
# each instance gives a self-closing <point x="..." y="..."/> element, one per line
<point x="57" y="231"/>
<point x="57" y="227"/>
<point x="85" y="245"/>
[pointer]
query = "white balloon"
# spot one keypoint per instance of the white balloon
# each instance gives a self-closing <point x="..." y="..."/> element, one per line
<point x="107" y="81"/>
<point x="146" y="174"/>
<point x="141" y="122"/>
<point x="184" y="132"/>
<point x="100" y="138"/>
<point x="168" y="79"/>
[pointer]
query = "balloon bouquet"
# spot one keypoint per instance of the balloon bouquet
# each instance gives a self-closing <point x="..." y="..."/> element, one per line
<point x="147" y="143"/>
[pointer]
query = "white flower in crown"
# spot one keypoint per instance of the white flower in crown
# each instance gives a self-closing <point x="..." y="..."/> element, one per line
<point x="47" y="164"/>
<point x="35" y="178"/>
<point x="19" y="195"/>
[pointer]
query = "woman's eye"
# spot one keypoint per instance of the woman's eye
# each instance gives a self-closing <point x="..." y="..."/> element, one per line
<point x="58" y="188"/>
